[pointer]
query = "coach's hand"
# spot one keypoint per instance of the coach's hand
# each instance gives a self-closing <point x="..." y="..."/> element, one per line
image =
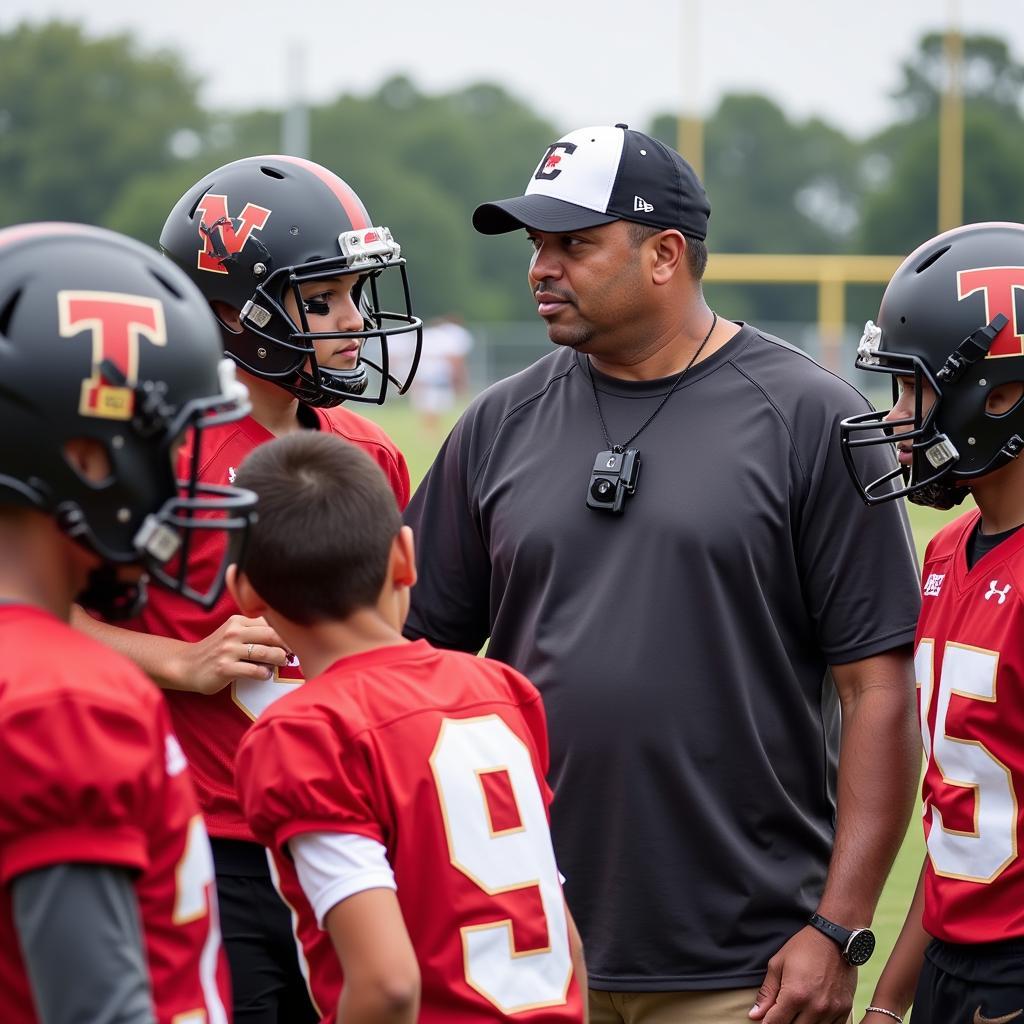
<point x="808" y="982"/>
<point x="239" y="649"/>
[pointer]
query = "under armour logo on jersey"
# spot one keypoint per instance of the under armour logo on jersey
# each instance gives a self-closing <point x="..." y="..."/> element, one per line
<point x="994" y="591"/>
<point x="174" y="755"/>
<point x="642" y="206"/>
<point x="933" y="584"/>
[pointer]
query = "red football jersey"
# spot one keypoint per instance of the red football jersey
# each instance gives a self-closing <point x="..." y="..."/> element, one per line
<point x="92" y="773"/>
<point x="210" y="727"/>
<point x="970" y="673"/>
<point x="440" y="757"/>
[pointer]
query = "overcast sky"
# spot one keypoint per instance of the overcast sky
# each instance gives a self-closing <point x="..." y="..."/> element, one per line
<point x="578" y="62"/>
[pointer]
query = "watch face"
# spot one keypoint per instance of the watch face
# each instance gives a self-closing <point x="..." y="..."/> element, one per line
<point x="860" y="947"/>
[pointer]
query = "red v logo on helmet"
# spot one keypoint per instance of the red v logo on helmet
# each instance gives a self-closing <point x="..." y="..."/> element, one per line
<point x="222" y="236"/>
<point x="999" y="285"/>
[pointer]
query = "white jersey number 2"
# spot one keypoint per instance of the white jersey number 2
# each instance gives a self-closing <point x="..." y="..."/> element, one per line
<point x="983" y="853"/>
<point x="195" y="898"/>
<point x="513" y="980"/>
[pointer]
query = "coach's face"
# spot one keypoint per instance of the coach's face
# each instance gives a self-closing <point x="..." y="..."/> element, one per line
<point x="588" y="284"/>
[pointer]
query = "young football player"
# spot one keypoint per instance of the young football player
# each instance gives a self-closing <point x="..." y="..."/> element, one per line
<point x="109" y="358"/>
<point x="401" y="791"/>
<point x="951" y="333"/>
<point x="290" y="261"/>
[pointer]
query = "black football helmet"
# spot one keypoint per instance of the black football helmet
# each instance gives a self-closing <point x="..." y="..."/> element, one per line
<point x="949" y="316"/>
<point x="252" y="229"/>
<point x="101" y="338"/>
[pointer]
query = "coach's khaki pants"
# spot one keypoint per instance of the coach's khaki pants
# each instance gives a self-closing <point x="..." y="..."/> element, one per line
<point x="730" y="1006"/>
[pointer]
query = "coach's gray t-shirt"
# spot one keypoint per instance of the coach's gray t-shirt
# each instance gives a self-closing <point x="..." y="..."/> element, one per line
<point x="681" y="649"/>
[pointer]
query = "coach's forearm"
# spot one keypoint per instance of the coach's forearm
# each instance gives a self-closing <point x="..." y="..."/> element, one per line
<point x="879" y="765"/>
<point x="160" y="657"/>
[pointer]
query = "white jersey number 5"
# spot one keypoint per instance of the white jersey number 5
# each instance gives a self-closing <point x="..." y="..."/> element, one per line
<point x="983" y="853"/>
<point x="519" y="858"/>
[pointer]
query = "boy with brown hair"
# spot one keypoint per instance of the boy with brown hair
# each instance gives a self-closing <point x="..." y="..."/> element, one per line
<point x="401" y="790"/>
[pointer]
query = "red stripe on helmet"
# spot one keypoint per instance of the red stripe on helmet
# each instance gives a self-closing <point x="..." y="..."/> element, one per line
<point x="341" y="189"/>
<point x="40" y="229"/>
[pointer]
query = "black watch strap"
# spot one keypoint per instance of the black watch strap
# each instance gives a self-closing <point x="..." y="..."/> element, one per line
<point x="856" y="946"/>
<point x="836" y="932"/>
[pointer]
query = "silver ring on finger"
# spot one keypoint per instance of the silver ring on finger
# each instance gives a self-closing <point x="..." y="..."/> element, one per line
<point x="248" y="652"/>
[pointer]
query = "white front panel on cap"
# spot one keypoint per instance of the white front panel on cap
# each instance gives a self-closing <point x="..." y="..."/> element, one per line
<point x="580" y="168"/>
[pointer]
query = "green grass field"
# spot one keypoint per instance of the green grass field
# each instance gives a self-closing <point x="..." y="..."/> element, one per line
<point x="420" y="446"/>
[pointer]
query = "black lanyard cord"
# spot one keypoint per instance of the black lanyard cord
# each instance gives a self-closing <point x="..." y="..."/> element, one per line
<point x="668" y="394"/>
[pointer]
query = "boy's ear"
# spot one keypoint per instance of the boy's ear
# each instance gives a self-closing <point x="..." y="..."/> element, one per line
<point x="228" y="316"/>
<point x="250" y="604"/>
<point x="403" y="559"/>
<point x="88" y="458"/>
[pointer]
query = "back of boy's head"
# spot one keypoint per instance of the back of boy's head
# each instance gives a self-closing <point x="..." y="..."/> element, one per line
<point x="327" y="518"/>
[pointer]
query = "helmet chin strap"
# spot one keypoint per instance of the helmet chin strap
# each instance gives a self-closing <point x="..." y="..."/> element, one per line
<point x="940" y="495"/>
<point x="970" y="350"/>
<point x="944" y="494"/>
<point x="110" y="597"/>
<point x="104" y="593"/>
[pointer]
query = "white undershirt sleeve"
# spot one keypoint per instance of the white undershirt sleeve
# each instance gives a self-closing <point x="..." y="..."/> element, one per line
<point x="335" y="865"/>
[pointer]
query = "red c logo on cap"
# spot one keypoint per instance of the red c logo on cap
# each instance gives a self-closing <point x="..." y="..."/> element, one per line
<point x="548" y="167"/>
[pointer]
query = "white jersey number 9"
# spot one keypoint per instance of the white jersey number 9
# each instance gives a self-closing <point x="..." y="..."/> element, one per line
<point x="502" y="861"/>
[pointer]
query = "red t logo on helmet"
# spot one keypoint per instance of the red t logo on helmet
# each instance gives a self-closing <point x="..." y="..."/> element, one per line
<point x="223" y="237"/>
<point x="999" y="285"/>
<point x="116" y="322"/>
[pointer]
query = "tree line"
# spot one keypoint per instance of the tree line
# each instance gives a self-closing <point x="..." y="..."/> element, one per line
<point x="102" y="131"/>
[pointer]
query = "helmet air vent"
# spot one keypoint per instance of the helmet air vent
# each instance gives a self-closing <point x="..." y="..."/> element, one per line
<point x="7" y="313"/>
<point x="199" y="198"/>
<point x="929" y="260"/>
<point x="272" y="172"/>
<point x="166" y="284"/>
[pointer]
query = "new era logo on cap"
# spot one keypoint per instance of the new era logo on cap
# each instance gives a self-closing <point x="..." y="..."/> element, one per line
<point x="593" y="176"/>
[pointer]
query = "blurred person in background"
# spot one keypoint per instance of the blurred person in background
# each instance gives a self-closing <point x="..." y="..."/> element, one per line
<point x="442" y="379"/>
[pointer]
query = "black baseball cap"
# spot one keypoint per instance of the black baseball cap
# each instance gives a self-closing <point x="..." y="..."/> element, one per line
<point x="596" y="175"/>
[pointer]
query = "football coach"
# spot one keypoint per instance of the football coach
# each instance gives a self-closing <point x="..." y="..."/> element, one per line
<point x="654" y="523"/>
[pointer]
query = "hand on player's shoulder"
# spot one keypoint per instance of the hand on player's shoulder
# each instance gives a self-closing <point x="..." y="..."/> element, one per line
<point x="241" y="648"/>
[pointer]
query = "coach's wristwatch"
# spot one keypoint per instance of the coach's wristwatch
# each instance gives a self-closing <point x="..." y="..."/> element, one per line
<point x="856" y="946"/>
